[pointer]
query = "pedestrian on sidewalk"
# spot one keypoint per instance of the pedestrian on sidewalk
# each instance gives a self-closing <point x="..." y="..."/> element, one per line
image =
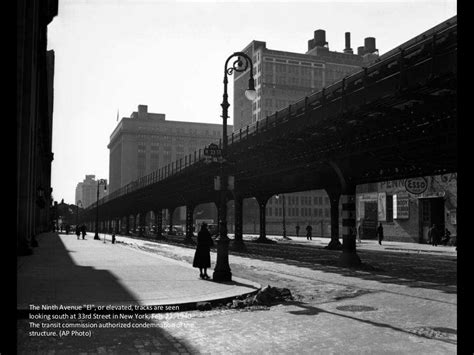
<point x="309" y="230"/>
<point x="434" y="234"/>
<point x="297" y="230"/>
<point x="380" y="233"/>
<point x="83" y="231"/>
<point x="78" y="231"/>
<point x="202" y="256"/>
<point x="67" y="228"/>
<point x="359" y="232"/>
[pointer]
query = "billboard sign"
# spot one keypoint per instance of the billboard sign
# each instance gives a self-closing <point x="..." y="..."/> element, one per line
<point x="416" y="186"/>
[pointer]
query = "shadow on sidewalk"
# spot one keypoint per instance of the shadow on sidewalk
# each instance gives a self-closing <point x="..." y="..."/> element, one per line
<point x="307" y="310"/>
<point x="50" y="277"/>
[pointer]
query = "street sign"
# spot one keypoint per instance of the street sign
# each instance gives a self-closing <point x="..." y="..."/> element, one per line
<point x="416" y="186"/>
<point x="213" y="150"/>
<point x="209" y="159"/>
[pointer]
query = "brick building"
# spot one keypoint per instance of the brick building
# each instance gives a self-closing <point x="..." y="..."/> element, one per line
<point x="34" y="121"/>
<point x="145" y="142"/>
<point x="283" y="78"/>
<point x="86" y="191"/>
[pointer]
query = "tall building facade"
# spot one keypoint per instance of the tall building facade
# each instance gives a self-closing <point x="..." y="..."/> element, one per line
<point x="86" y="191"/>
<point x="145" y="142"/>
<point x="34" y="121"/>
<point x="283" y="78"/>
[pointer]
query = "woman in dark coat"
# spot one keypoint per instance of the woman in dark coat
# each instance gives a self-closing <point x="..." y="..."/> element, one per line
<point x="202" y="256"/>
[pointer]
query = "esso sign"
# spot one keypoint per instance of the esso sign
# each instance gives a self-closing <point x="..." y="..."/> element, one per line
<point x="416" y="185"/>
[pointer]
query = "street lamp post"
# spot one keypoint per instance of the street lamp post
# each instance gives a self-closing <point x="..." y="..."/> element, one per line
<point x="241" y="63"/>
<point x="284" y="215"/>
<point x="100" y="182"/>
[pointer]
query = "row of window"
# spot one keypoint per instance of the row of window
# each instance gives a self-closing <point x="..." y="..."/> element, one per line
<point x="298" y="212"/>
<point x="179" y="131"/>
<point x="154" y="161"/>
<point x="301" y="200"/>
<point x="168" y="148"/>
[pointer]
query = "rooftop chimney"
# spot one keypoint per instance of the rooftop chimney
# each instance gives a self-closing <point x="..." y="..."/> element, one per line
<point x="348" y="48"/>
<point x="369" y="44"/>
<point x="320" y="38"/>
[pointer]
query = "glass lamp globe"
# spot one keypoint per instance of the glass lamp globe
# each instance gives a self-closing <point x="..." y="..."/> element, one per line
<point x="250" y="94"/>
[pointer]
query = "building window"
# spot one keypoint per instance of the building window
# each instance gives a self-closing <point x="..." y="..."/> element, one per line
<point x="154" y="161"/>
<point x="389" y="208"/>
<point x="141" y="164"/>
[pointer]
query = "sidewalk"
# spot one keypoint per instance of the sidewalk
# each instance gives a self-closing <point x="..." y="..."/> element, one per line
<point x="409" y="307"/>
<point x="366" y="244"/>
<point x="68" y="271"/>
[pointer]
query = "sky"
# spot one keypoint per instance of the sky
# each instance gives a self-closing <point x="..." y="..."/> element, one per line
<point x="113" y="55"/>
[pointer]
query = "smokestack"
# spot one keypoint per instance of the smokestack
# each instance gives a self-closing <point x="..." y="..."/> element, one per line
<point x="348" y="48"/>
<point x="369" y="44"/>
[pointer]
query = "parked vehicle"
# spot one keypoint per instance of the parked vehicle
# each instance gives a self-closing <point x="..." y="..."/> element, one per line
<point x="175" y="230"/>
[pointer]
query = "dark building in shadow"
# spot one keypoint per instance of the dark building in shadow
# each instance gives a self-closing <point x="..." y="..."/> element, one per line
<point x="34" y="112"/>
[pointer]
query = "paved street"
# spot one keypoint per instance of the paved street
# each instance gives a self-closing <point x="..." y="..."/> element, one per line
<point x="401" y="301"/>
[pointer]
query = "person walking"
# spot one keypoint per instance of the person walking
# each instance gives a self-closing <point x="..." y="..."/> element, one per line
<point x="83" y="231"/>
<point x="380" y="233"/>
<point x="309" y="230"/>
<point x="67" y="228"/>
<point x="78" y="231"/>
<point x="297" y="230"/>
<point x="359" y="232"/>
<point x="202" y="256"/>
<point x="433" y="234"/>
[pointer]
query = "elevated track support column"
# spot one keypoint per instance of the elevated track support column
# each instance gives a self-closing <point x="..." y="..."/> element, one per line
<point x="127" y="225"/>
<point x="141" y="223"/>
<point x="334" y="196"/>
<point x="189" y="223"/>
<point x="349" y="255"/>
<point x="262" y="203"/>
<point x="135" y="217"/>
<point x="159" y="224"/>
<point x="238" y="244"/>
<point x="117" y="226"/>
<point x="170" y="212"/>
